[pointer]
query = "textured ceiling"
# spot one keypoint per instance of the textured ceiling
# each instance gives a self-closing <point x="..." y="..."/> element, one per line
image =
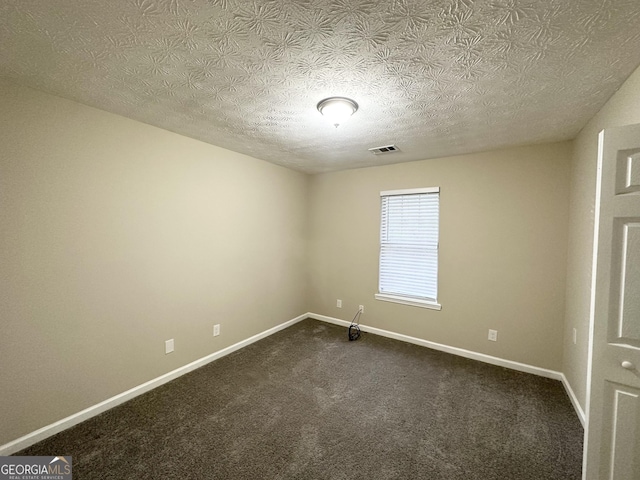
<point x="436" y="78"/>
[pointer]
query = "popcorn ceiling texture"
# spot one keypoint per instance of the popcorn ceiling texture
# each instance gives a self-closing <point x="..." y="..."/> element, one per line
<point x="435" y="78"/>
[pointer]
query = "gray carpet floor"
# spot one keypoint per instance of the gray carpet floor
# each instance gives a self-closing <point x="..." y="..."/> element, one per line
<point x="306" y="403"/>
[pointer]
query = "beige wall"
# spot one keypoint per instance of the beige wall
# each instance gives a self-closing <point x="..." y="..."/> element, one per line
<point x="622" y="109"/>
<point x="116" y="236"/>
<point x="503" y="234"/>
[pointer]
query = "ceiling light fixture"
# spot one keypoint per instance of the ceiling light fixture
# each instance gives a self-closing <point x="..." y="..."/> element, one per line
<point x="337" y="109"/>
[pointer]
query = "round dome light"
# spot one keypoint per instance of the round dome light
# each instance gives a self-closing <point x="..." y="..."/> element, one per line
<point x="337" y="109"/>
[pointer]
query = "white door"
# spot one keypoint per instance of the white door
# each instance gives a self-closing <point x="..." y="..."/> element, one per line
<point x="612" y="449"/>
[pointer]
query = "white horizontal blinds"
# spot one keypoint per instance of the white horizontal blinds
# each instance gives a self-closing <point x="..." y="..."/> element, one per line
<point x="409" y="244"/>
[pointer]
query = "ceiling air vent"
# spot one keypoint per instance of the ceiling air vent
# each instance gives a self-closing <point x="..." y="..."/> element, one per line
<point x="384" y="150"/>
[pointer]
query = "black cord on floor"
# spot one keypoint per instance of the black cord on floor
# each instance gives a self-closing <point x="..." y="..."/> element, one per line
<point x="354" y="328"/>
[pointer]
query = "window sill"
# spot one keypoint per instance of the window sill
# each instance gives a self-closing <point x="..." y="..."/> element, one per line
<point x="414" y="302"/>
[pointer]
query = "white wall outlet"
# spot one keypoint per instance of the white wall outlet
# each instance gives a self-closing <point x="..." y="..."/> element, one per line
<point x="168" y="346"/>
<point x="493" y="335"/>
<point x="575" y="336"/>
<point x="339" y="303"/>
<point x="361" y="308"/>
<point x="216" y="330"/>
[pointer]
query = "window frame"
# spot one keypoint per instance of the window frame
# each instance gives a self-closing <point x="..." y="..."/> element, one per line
<point x="415" y="301"/>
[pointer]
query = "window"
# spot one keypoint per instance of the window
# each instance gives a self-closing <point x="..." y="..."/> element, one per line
<point x="409" y="247"/>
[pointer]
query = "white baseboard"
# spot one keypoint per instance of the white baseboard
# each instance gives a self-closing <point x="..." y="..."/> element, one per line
<point x="68" y="422"/>
<point x="45" y="432"/>
<point x="521" y="367"/>
<point x="574" y="400"/>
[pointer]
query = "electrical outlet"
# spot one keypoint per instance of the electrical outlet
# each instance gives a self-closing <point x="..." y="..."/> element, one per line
<point x="168" y="346"/>
<point x="575" y="336"/>
<point x="493" y="335"/>
<point x="216" y="330"/>
<point x="339" y="303"/>
<point x="361" y="308"/>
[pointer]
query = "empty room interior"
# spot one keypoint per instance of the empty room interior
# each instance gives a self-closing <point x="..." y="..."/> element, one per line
<point x="187" y="234"/>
